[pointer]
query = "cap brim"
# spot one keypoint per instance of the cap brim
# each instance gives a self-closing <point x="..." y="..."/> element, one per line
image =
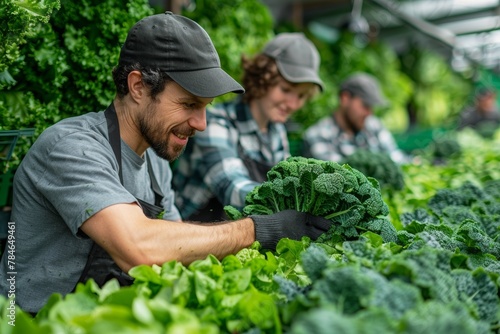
<point x="299" y="74"/>
<point x="211" y="82"/>
<point x="376" y="102"/>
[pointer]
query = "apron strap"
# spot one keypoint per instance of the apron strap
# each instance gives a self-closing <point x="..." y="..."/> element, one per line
<point x="100" y="266"/>
<point x="115" y="142"/>
<point x="154" y="182"/>
<point x="114" y="136"/>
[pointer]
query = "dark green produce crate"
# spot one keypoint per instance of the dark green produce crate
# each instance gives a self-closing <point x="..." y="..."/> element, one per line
<point x="418" y="139"/>
<point x="5" y="186"/>
<point x="8" y="141"/>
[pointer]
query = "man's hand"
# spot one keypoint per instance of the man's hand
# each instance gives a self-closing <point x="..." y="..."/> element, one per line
<point x="269" y="229"/>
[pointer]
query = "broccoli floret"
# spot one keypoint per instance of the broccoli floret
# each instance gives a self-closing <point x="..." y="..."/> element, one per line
<point x="378" y="165"/>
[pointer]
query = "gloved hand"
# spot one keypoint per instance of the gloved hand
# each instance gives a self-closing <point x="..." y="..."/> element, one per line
<point x="269" y="229"/>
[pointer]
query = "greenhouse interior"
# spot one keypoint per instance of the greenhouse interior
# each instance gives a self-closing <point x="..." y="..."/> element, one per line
<point x="316" y="166"/>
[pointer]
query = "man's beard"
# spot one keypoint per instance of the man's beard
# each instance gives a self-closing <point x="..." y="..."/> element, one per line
<point x="158" y="138"/>
<point x="351" y="125"/>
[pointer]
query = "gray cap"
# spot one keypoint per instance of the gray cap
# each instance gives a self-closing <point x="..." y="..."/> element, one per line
<point x="297" y="58"/>
<point x="182" y="48"/>
<point x="366" y="87"/>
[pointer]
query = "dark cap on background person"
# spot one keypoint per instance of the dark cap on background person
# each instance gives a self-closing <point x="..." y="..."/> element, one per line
<point x="296" y="56"/>
<point x="482" y="92"/>
<point x="181" y="48"/>
<point x="366" y="87"/>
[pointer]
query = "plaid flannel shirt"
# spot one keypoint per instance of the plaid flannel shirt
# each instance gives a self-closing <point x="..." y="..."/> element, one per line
<point x="325" y="140"/>
<point x="212" y="165"/>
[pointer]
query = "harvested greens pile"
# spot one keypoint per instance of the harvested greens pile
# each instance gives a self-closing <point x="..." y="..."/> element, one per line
<point x="322" y="188"/>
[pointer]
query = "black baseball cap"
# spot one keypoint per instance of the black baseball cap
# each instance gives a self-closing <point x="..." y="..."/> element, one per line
<point x="296" y="56"/>
<point x="182" y="48"/>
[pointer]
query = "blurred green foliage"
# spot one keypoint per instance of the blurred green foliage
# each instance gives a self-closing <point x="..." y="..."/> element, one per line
<point x="439" y="93"/>
<point x="61" y="65"/>
<point x="237" y="27"/>
<point x="20" y="21"/>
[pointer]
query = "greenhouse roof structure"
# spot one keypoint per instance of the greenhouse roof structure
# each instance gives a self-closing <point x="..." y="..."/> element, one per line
<point x="466" y="32"/>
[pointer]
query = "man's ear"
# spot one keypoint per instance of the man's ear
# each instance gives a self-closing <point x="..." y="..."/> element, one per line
<point x="344" y="96"/>
<point x="136" y="87"/>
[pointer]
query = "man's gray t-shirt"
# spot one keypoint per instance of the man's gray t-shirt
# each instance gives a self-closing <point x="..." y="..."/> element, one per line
<point x="68" y="175"/>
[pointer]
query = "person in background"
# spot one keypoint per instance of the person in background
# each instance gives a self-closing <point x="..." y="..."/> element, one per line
<point x="93" y="197"/>
<point x="246" y="136"/>
<point x="483" y="113"/>
<point x="352" y="125"/>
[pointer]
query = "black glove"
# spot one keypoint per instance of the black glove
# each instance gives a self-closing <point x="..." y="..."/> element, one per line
<point x="269" y="229"/>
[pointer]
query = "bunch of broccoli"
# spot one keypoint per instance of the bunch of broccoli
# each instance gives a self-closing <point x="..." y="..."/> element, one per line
<point x="378" y="165"/>
<point x="340" y="193"/>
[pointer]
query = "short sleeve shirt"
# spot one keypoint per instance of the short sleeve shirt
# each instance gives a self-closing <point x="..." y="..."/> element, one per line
<point x="68" y="175"/>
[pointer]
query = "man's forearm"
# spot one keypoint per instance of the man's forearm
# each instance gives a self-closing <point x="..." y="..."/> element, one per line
<point x="187" y="242"/>
<point x="132" y="239"/>
<point x="195" y="241"/>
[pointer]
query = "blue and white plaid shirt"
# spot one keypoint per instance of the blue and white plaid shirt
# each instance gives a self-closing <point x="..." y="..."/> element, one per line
<point x="325" y="140"/>
<point x="212" y="164"/>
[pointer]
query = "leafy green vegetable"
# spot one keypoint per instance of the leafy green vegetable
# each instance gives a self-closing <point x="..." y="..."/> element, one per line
<point x="378" y="165"/>
<point x="436" y="317"/>
<point x="344" y="195"/>
<point x="445" y="148"/>
<point x="20" y="20"/>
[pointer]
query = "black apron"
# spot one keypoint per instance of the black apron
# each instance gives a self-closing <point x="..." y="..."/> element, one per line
<point x="214" y="210"/>
<point x="100" y="266"/>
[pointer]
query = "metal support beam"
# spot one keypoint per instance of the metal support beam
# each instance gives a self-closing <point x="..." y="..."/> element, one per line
<point x="435" y="32"/>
